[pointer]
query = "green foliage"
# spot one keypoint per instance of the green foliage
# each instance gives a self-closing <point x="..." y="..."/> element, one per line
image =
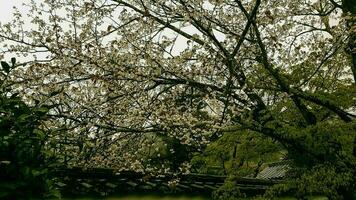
<point x="238" y="154"/>
<point x="325" y="164"/>
<point x="229" y="191"/>
<point x="349" y="5"/>
<point x="328" y="141"/>
<point x="319" y="180"/>
<point x="23" y="167"/>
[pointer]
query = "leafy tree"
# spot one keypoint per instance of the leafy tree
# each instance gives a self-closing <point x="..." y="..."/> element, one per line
<point x="238" y="154"/>
<point x="192" y="70"/>
<point x="23" y="167"/>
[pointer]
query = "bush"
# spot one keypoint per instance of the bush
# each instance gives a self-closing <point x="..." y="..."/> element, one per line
<point x="228" y="191"/>
<point x="24" y="173"/>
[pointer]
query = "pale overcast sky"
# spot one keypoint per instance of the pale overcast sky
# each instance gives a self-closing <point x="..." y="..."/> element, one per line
<point x="6" y="9"/>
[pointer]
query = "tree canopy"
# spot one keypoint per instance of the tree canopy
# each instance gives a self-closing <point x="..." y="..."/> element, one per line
<point x="127" y="76"/>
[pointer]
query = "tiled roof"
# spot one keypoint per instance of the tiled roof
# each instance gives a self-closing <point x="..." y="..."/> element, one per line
<point x="275" y="171"/>
<point x="79" y="180"/>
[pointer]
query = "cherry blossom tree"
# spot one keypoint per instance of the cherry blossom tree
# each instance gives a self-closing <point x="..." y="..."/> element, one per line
<point x="125" y="74"/>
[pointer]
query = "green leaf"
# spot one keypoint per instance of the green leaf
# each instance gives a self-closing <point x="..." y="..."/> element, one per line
<point x="55" y="194"/>
<point x="9" y="185"/>
<point x="5" y="66"/>
<point x="4" y="193"/>
<point x="42" y="110"/>
<point x="23" y="117"/>
<point x="39" y="133"/>
<point x="26" y="171"/>
<point x="36" y="172"/>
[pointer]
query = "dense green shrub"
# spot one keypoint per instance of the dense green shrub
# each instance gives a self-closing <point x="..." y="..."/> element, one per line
<point x="229" y="191"/>
<point x="327" y="167"/>
<point x="24" y="172"/>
